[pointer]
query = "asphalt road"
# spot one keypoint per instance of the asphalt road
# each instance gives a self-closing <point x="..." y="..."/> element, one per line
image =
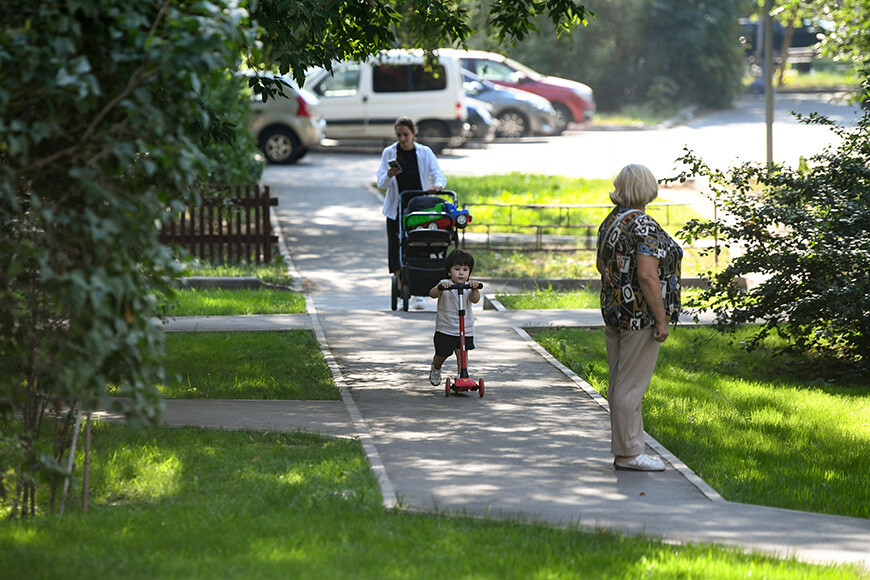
<point x="722" y="138"/>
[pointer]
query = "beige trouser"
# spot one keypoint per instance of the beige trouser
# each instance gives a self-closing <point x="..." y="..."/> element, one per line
<point x="631" y="358"/>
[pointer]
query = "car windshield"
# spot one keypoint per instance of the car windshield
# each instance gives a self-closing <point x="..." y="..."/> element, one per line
<point x="476" y="84"/>
<point x="523" y="69"/>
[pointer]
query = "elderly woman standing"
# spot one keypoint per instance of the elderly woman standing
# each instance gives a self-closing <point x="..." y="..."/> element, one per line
<point x="640" y="294"/>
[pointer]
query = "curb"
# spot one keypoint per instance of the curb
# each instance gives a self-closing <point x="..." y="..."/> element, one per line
<point x="388" y="492"/>
<point x="675" y="462"/>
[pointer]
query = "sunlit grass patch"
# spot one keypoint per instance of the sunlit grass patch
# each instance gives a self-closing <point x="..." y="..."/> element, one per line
<point x="274" y="273"/>
<point x="766" y="427"/>
<point x="247" y="365"/>
<point x="269" y="505"/>
<point x="224" y="302"/>
<point x="548" y="298"/>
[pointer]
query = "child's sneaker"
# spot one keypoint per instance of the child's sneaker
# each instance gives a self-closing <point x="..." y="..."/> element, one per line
<point x="434" y="376"/>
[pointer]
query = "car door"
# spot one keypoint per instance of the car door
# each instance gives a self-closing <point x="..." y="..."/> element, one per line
<point x="343" y="99"/>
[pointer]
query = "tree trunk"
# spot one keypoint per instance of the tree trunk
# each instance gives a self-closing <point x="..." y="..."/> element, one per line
<point x="786" y="46"/>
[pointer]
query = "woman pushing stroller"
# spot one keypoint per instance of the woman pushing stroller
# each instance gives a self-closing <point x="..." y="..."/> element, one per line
<point x="413" y="167"/>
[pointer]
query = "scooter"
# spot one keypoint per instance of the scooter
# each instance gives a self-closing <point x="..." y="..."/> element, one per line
<point x="463" y="382"/>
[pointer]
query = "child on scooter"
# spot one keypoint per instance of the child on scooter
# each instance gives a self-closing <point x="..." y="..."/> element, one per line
<point x="458" y="267"/>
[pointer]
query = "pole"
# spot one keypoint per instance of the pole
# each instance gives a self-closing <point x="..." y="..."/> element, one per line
<point x="768" y="77"/>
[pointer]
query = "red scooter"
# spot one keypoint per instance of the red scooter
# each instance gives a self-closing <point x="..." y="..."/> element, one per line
<point x="463" y="383"/>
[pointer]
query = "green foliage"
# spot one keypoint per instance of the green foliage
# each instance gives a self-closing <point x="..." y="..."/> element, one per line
<point x="654" y="53"/>
<point x="108" y="116"/>
<point x="804" y="233"/>
<point x="303" y="33"/>
<point x="693" y="44"/>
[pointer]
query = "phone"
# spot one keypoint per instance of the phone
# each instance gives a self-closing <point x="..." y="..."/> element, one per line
<point x="394" y="163"/>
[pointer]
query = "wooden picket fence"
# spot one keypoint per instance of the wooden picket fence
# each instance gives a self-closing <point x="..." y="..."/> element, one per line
<point x="232" y="224"/>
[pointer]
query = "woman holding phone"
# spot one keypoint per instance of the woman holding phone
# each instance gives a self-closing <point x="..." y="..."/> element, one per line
<point x="405" y="165"/>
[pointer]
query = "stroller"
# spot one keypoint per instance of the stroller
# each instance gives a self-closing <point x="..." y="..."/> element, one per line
<point x="428" y="223"/>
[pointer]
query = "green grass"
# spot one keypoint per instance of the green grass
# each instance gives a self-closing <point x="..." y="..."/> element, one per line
<point x="524" y="188"/>
<point x="246" y="365"/>
<point x="521" y="188"/>
<point x="825" y="74"/>
<point x="192" y="503"/>
<point x="635" y="116"/>
<point x="765" y="427"/>
<point x="580" y="264"/>
<point x="274" y="273"/>
<point x="547" y="299"/>
<point x="222" y="302"/>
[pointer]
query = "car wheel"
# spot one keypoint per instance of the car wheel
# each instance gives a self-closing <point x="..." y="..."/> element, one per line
<point x="512" y="124"/>
<point x="563" y="117"/>
<point x="280" y="145"/>
<point x="433" y="134"/>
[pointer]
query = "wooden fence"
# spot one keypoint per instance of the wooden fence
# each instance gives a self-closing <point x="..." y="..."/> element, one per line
<point x="232" y="224"/>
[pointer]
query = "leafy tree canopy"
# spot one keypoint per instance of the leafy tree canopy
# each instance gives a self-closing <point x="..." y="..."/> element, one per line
<point x="298" y="34"/>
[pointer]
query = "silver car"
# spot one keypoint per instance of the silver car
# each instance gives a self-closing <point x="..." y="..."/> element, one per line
<point x="287" y="127"/>
<point x="519" y="113"/>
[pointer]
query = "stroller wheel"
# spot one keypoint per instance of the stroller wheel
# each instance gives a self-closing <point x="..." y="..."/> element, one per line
<point x="447" y="385"/>
<point x="480" y="387"/>
<point x="406" y="296"/>
<point x="394" y="300"/>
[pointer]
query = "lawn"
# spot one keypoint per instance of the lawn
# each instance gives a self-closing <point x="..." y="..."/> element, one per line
<point x="246" y="365"/>
<point x="223" y="302"/>
<point x="765" y="427"/>
<point x="274" y="273"/>
<point x="525" y="188"/>
<point x="193" y="503"/>
<point x="549" y="299"/>
<point x="522" y="188"/>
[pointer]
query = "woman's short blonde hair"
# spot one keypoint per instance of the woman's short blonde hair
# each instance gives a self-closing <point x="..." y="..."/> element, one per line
<point x="635" y="186"/>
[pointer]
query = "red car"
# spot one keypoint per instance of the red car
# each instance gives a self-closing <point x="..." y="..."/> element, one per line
<point x="573" y="101"/>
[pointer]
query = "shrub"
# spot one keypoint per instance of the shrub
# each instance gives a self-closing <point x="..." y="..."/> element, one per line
<point x="804" y="234"/>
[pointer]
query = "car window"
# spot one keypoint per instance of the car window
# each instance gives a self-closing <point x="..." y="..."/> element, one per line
<point x="401" y="78"/>
<point x="344" y="82"/>
<point x="495" y="71"/>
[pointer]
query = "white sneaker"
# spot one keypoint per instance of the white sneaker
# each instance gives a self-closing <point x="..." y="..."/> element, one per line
<point x="434" y="376"/>
<point x="418" y="303"/>
<point x="642" y="462"/>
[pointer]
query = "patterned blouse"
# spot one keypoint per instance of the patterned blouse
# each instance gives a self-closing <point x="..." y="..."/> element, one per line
<point x="624" y="234"/>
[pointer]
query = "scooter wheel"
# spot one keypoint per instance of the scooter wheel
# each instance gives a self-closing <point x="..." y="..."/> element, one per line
<point x="447" y="384"/>
<point x="480" y="387"/>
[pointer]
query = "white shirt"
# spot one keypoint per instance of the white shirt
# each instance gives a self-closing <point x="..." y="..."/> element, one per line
<point x="447" y="316"/>
<point x="430" y="176"/>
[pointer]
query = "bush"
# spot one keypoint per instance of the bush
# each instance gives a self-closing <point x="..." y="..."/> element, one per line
<point x="108" y="117"/>
<point x="804" y="233"/>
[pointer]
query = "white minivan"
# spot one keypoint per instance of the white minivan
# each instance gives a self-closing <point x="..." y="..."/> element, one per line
<point x="362" y="100"/>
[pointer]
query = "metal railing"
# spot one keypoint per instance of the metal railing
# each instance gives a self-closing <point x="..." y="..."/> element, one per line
<point x="557" y="233"/>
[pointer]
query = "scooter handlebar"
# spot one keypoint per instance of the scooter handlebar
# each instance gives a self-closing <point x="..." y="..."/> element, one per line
<point x="463" y="286"/>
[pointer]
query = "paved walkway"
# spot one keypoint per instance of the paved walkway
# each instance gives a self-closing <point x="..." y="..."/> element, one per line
<point x="537" y="445"/>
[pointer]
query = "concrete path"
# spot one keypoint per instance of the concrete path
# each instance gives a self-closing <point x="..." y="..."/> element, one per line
<point x="536" y="446"/>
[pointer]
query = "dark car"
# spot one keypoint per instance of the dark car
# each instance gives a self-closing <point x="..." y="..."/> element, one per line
<point x="482" y="125"/>
<point x="519" y="113"/>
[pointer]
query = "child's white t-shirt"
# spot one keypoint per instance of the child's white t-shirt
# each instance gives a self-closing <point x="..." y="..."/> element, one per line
<point x="447" y="316"/>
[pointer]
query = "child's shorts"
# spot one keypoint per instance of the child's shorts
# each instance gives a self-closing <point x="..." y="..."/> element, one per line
<point x="445" y="344"/>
